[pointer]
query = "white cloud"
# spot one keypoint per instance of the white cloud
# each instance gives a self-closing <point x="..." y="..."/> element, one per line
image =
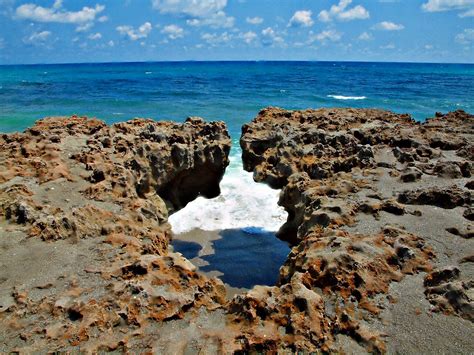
<point x="254" y="20"/>
<point x="328" y="35"/>
<point x="365" y="36"/>
<point x="215" y="20"/>
<point x="301" y="18"/>
<point x="388" y="26"/>
<point x="38" y="13"/>
<point x="173" y="31"/>
<point x="388" y="46"/>
<point x="448" y="5"/>
<point x="133" y="34"/>
<point x="84" y="27"/>
<point x="103" y="19"/>
<point x="199" y="12"/>
<point x="429" y="47"/>
<point x="95" y="36"/>
<point x="215" y="39"/>
<point x="37" y="38"/>
<point x="465" y="37"/>
<point x="270" y="37"/>
<point x="342" y="13"/>
<point x="248" y="37"/>
<point x="111" y="43"/>
<point x="193" y="8"/>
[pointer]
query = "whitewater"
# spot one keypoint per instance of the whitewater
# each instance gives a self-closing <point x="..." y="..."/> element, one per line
<point x="242" y="204"/>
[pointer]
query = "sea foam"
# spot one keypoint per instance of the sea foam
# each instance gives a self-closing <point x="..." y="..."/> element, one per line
<point x="341" y="97"/>
<point x="242" y="204"/>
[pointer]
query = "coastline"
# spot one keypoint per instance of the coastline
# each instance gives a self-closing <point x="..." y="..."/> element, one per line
<point x="380" y="212"/>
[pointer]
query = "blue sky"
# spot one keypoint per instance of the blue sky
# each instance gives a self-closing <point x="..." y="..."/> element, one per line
<point x="55" y="31"/>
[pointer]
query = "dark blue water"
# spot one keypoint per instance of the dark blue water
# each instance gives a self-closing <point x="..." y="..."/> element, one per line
<point x="245" y="259"/>
<point x="189" y="249"/>
<point x="230" y="91"/>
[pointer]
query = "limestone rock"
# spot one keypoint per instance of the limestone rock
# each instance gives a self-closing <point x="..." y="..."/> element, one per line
<point x="91" y="201"/>
<point x="344" y="175"/>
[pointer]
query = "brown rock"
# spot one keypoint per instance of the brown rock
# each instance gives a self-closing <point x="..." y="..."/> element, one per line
<point x="105" y="192"/>
<point x="450" y="197"/>
<point x="448" y="170"/>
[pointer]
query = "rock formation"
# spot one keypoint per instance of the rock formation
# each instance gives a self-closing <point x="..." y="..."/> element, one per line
<point x="84" y="229"/>
<point x="366" y="192"/>
<point x="380" y="224"/>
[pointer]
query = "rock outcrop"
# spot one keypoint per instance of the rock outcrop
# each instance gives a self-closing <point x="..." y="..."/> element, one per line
<point x="380" y="224"/>
<point x="370" y="196"/>
<point x="84" y="230"/>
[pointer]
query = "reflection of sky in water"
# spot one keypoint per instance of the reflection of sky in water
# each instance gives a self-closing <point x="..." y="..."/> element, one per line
<point x="246" y="258"/>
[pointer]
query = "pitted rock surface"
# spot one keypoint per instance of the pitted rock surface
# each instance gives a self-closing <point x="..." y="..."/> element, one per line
<point x="379" y="220"/>
<point x="84" y="231"/>
<point x="374" y="199"/>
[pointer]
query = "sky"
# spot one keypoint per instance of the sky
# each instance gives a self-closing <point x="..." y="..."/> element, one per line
<point x="74" y="31"/>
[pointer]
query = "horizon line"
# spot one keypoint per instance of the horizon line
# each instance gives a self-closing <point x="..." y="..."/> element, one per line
<point x="236" y="61"/>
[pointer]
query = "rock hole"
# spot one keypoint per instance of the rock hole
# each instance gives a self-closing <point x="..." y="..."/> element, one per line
<point x="74" y="315"/>
<point x="233" y="236"/>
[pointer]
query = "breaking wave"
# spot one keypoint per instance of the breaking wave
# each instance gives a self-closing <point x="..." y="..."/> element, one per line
<point x="242" y="204"/>
<point x="341" y="97"/>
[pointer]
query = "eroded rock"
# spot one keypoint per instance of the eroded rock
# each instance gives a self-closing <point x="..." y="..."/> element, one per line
<point x="101" y="195"/>
<point x="449" y="294"/>
<point x="343" y="174"/>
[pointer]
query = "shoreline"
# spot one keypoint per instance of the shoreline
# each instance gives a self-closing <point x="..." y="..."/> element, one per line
<point x="380" y="225"/>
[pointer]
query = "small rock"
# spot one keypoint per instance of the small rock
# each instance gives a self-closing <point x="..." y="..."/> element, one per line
<point x="469" y="214"/>
<point x="97" y="176"/>
<point x="447" y="169"/>
<point x="107" y="142"/>
<point x="411" y="174"/>
<point x="393" y="208"/>
<point x="55" y="139"/>
<point x="441" y="276"/>
<point x="470" y="185"/>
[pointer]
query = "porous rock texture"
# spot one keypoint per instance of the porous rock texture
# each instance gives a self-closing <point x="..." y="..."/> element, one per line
<point x="380" y="218"/>
<point x="380" y="211"/>
<point x="84" y="237"/>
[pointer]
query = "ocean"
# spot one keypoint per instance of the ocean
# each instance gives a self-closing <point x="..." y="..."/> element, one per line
<point x="229" y="91"/>
<point x="233" y="92"/>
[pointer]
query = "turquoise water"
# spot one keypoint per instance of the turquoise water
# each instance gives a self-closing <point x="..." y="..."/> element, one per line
<point x="229" y="91"/>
